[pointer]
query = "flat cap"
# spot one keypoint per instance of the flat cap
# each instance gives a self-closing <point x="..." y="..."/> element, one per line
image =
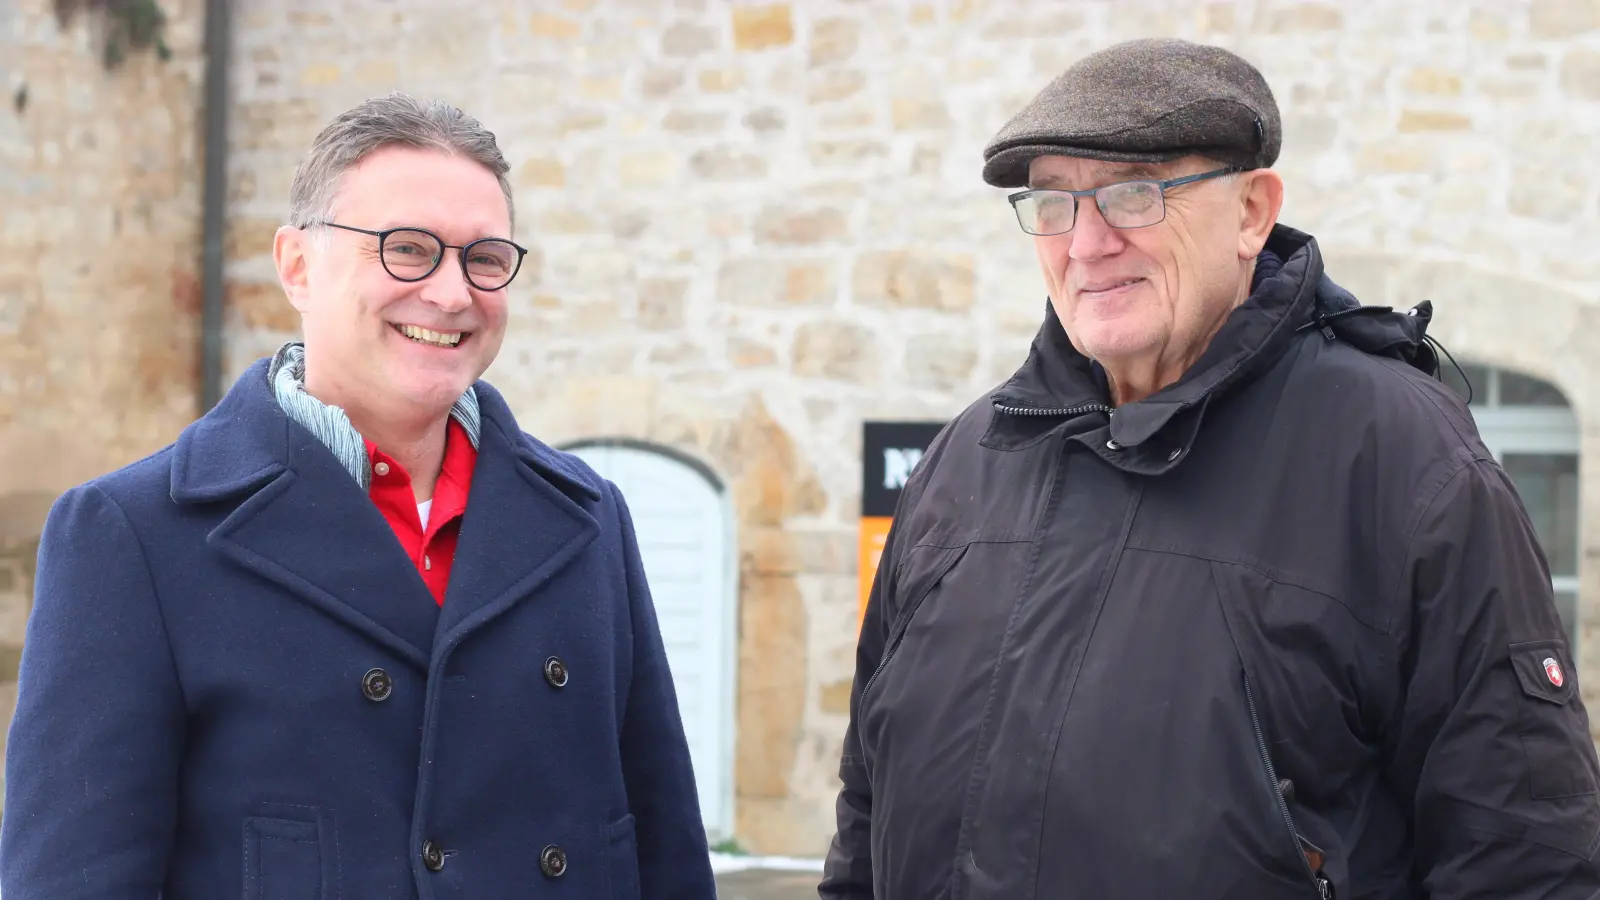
<point x="1149" y="101"/>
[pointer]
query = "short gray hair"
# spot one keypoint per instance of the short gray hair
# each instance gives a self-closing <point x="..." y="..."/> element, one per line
<point x="396" y="118"/>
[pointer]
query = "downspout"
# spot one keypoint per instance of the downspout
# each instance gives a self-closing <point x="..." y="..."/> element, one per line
<point x="214" y="198"/>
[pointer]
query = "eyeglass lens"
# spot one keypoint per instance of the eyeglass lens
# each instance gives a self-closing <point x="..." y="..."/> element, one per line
<point x="1132" y="204"/>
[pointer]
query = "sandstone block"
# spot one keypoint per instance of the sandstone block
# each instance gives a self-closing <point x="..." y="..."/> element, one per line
<point x="727" y="164"/>
<point x="694" y="121"/>
<point x="922" y="14"/>
<point x="760" y="27"/>
<point x="1217" y="18"/>
<point x="835" y="84"/>
<point x="1300" y="17"/>
<point x="660" y="81"/>
<point x="836" y="350"/>
<point x="919" y="113"/>
<point x="262" y="305"/>
<point x="780" y="226"/>
<point x="835" y="697"/>
<point x="913" y="279"/>
<point x="320" y="75"/>
<point x="546" y="25"/>
<point x="1580" y="74"/>
<point x="1419" y="120"/>
<point x="767" y="120"/>
<point x="684" y="39"/>
<point x="721" y="81"/>
<point x="1430" y="80"/>
<point x="542" y="172"/>
<point x="1562" y="19"/>
<point x="834" y="40"/>
<point x="748" y="354"/>
<point x="846" y="154"/>
<point x="775" y="282"/>
<point x="249" y="238"/>
<point x="647" y="168"/>
<point x="661" y="303"/>
<point x="939" y="362"/>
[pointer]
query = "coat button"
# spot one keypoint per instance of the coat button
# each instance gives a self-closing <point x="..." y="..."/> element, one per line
<point x="553" y="861"/>
<point x="555" y="671"/>
<point x="376" y="685"/>
<point x="432" y="856"/>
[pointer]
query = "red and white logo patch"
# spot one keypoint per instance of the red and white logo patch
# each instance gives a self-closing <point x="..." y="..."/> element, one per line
<point x="1552" y="670"/>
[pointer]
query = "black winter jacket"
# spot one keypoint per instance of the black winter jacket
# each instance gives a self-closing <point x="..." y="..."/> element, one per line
<point x="1280" y="630"/>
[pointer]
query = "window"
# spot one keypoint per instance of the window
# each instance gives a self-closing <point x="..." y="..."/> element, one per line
<point x="1529" y="427"/>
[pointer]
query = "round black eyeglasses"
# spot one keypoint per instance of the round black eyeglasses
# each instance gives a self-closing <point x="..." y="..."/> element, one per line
<point x="412" y="254"/>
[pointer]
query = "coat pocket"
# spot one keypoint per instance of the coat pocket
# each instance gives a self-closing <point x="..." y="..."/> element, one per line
<point x="622" y="860"/>
<point x="1553" y="731"/>
<point x="282" y="860"/>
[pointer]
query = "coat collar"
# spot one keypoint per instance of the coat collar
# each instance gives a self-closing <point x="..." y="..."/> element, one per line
<point x="1059" y="388"/>
<point x="244" y="442"/>
<point x="299" y="520"/>
<point x="1057" y="383"/>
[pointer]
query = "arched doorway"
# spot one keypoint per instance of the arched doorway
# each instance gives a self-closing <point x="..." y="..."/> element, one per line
<point x="1530" y="428"/>
<point x="684" y="525"/>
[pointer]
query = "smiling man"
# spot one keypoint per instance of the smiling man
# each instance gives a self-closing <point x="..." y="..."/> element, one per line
<point x="355" y="634"/>
<point x="1220" y="594"/>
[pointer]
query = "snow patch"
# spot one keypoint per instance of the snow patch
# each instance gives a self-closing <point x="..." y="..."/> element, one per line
<point x="729" y="862"/>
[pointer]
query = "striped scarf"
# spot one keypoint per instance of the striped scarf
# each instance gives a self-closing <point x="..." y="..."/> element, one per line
<point x="331" y="426"/>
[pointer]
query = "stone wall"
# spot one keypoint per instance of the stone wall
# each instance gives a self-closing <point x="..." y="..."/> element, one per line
<point x="757" y="224"/>
<point x="99" y="288"/>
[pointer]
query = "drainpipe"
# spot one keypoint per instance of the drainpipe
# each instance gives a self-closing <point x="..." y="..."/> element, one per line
<point x="214" y="200"/>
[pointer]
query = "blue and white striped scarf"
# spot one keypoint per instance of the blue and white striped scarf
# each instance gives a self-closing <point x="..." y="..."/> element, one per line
<point x="287" y="376"/>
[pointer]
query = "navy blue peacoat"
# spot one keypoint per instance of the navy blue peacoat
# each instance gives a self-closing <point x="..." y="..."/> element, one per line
<point x="235" y="684"/>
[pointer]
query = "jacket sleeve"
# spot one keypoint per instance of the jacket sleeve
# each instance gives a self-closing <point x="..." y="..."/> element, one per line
<point x="95" y="743"/>
<point x="1491" y="743"/>
<point x="674" y="859"/>
<point x="847" y="869"/>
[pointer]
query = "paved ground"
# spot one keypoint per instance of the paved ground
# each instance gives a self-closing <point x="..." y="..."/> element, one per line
<point x="767" y="884"/>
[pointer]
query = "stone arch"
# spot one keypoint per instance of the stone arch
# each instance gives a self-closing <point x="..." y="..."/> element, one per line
<point x="769" y="485"/>
<point x="1514" y="323"/>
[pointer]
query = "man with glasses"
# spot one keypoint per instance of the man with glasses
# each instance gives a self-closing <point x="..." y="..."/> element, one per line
<point x="1220" y="594"/>
<point x="355" y="634"/>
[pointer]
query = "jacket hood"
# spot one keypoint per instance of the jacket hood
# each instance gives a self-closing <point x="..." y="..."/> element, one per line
<point x="1292" y="293"/>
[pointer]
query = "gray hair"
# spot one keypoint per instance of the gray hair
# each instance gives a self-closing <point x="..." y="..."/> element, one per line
<point x="397" y="118"/>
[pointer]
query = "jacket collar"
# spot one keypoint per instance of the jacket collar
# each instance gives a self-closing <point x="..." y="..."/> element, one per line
<point x="1057" y="384"/>
<point x="245" y="441"/>
<point x="297" y="519"/>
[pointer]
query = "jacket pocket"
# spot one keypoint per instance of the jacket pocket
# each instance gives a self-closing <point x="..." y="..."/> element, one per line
<point x="1309" y="855"/>
<point x="918" y="585"/>
<point x="622" y="860"/>
<point x="1554" y="734"/>
<point x="282" y="860"/>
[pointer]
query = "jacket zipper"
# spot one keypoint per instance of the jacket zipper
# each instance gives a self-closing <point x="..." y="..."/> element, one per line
<point x="1320" y="884"/>
<point x="1067" y="411"/>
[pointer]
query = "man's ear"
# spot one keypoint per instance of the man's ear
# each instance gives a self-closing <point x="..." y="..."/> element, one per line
<point x="1260" y="201"/>
<point x="291" y="250"/>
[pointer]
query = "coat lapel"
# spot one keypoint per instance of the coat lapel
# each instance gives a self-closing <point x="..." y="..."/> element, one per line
<point x="305" y="525"/>
<point x="523" y="524"/>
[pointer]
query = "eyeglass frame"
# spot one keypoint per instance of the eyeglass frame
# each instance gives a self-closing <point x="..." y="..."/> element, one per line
<point x="383" y="236"/>
<point x="1162" y="186"/>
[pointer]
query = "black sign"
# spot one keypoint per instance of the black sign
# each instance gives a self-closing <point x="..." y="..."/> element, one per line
<point x="889" y="451"/>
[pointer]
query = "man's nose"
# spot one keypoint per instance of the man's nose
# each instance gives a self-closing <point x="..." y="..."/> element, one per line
<point x="447" y="287"/>
<point x="1092" y="238"/>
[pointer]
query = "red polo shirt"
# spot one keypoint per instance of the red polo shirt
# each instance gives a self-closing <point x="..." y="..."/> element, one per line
<point x="433" y="546"/>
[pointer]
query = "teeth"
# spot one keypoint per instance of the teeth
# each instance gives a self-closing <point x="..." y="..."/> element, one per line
<point x="423" y="335"/>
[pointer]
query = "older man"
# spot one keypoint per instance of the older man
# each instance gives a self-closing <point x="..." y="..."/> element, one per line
<point x="355" y="634"/>
<point x="1220" y="595"/>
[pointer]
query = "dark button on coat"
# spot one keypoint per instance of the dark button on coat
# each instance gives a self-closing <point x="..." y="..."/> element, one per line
<point x="194" y="719"/>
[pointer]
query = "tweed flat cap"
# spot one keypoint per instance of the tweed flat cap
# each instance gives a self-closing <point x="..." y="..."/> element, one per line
<point x="1149" y="100"/>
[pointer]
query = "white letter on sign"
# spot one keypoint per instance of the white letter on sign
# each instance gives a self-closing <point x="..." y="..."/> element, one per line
<point x="897" y="465"/>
